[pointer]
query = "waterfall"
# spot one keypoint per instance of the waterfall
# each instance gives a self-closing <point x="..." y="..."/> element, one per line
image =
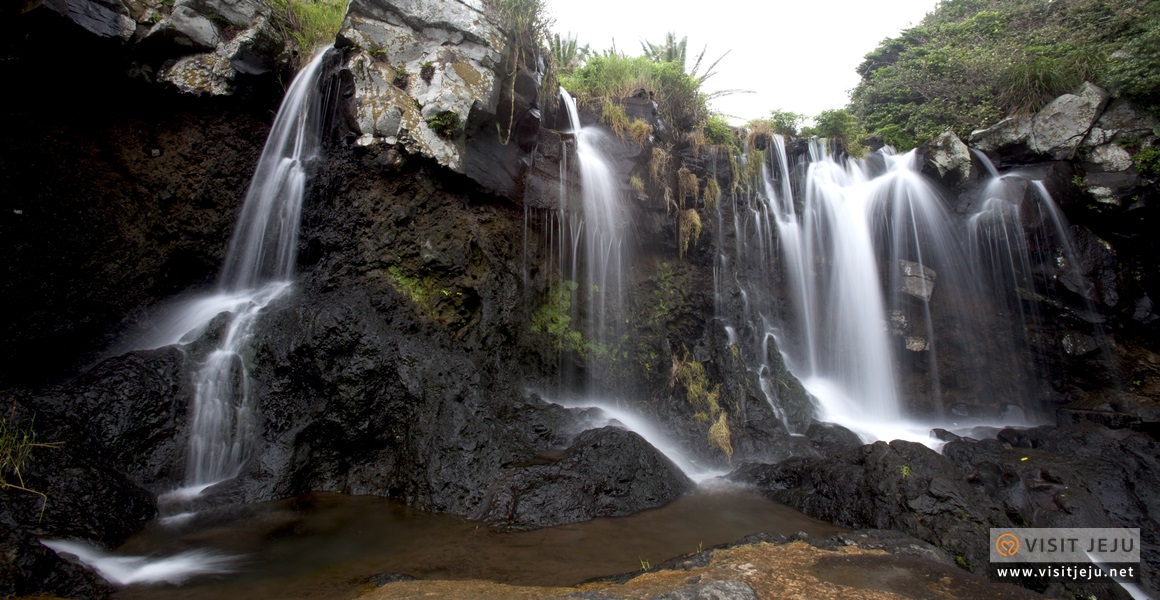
<point x="881" y="281"/>
<point x="593" y="231"/>
<point x="260" y="262"/>
<point x="592" y="253"/>
<point x="257" y="270"/>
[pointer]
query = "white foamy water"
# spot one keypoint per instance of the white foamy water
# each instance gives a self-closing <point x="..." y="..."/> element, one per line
<point x="127" y="570"/>
<point x="258" y="269"/>
<point x="645" y="428"/>
<point x="597" y="227"/>
<point x="858" y="268"/>
<point x="186" y="320"/>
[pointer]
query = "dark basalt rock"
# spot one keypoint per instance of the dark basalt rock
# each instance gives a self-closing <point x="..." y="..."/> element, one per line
<point x="134" y="411"/>
<point x="83" y="498"/>
<point x="29" y="568"/>
<point x="356" y="399"/>
<point x="1084" y="476"/>
<point x="900" y="485"/>
<point x="830" y="438"/>
<point x="606" y="472"/>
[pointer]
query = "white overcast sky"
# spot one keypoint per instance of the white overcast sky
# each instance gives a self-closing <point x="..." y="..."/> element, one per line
<point x="797" y="55"/>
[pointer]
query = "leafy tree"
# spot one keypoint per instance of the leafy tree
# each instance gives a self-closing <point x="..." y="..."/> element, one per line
<point x="785" y="122"/>
<point x="841" y="126"/>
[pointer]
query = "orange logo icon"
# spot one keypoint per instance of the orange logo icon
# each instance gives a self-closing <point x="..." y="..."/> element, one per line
<point x="1007" y="544"/>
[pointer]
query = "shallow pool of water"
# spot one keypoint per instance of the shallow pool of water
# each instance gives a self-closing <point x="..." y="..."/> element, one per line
<point x="329" y="545"/>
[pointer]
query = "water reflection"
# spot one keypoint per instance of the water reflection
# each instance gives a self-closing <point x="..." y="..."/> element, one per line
<point x="329" y="545"/>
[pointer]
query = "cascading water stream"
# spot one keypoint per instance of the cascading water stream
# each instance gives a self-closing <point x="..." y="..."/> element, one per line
<point x="258" y="269"/>
<point x="600" y="224"/>
<point x="592" y="254"/>
<point x="260" y="262"/>
<point x="872" y="265"/>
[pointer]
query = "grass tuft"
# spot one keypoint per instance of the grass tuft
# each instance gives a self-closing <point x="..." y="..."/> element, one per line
<point x="16" y="444"/>
<point x="310" y="24"/>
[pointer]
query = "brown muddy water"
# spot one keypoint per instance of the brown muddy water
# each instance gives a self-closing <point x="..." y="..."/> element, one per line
<point x="329" y="545"/>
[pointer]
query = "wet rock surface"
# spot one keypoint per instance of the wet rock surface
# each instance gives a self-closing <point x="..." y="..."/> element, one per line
<point x="900" y="485"/>
<point x="606" y="472"/>
<point x="28" y="567"/>
<point x="1084" y="476"/>
<point x="761" y="566"/>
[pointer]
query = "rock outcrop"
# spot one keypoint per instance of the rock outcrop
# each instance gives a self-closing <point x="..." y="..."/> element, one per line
<point x="606" y="472"/>
<point x="448" y="84"/>
<point x="1086" y="476"/>
<point x="198" y="46"/>
<point x="420" y="74"/>
<point x="948" y="159"/>
<point x="1056" y="131"/>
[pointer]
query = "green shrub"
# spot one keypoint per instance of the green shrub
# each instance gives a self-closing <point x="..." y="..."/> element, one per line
<point x="1029" y="83"/>
<point x="566" y="53"/>
<point x="718" y="131"/>
<point x="841" y="126"/>
<point x="552" y="318"/>
<point x="1134" y="71"/>
<point x="445" y="124"/>
<point x="526" y="23"/>
<point x="1147" y="162"/>
<point x="785" y="122"/>
<point x="970" y="63"/>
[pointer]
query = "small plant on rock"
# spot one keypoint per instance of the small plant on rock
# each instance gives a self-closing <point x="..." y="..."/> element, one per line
<point x="688" y="230"/>
<point x="1147" y="162"/>
<point x="445" y="124"/>
<point x="16" y="444"/>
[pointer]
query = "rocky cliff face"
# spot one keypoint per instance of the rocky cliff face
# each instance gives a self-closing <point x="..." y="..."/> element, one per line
<point x="444" y="82"/>
<point x="198" y="46"/>
<point x="1081" y="147"/>
<point x="399" y="365"/>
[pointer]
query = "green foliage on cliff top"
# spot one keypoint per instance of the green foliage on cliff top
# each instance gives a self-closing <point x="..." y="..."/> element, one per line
<point x="971" y="63"/>
<point x="310" y="24"/>
<point x="611" y="76"/>
<point x="779" y="121"/>
<point x="1147" y="162"/>
<point x="527" y="22"/>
